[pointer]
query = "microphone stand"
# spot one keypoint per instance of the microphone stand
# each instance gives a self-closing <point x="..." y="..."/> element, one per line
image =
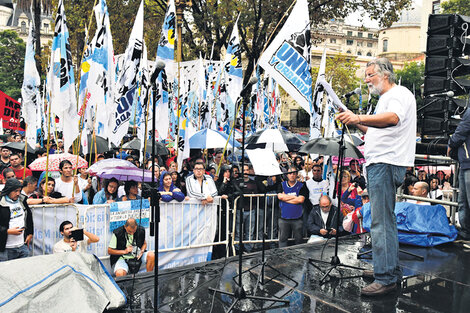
<point x="240" y="293"/>
<point x="335" y="261"/>
<point x="154" y="206"/>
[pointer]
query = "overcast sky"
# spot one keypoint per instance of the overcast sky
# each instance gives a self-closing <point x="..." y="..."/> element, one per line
<point x="367" y="22"/>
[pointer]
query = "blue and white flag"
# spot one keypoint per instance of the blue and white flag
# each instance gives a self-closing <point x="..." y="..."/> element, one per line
<point x="315" y="117"/>
<point x="166" y="45"/>
<point x="287" y="58"/>
<point x="63" y="99"/>
<point x="233" y="66"/>
<point x="162" y="120"/>
<point x="31" y="97"/>
<point x="143" y="101"/>
<point x="126" y="85"/>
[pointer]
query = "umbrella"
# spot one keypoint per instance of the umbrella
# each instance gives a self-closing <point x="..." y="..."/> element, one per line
<point x="330" y="146"/>
<point x="54" y="161"/>
<point x="126" y="173"/>
<point x="99" y="166"/>
<point x="134" y="144"/>
<point x="209" y="139"/>
<point x="19" y="146"/>
<point x="274" y="139"/>
<point x="101" y="145"/>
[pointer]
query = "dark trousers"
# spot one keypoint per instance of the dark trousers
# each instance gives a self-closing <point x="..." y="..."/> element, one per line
<point x="288" y="227"/>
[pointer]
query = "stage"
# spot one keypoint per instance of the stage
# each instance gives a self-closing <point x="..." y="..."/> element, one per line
<point x="440" y="283"/>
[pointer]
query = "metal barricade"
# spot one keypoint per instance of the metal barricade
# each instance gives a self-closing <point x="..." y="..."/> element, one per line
<point x="47" y="219"/>
<point x="262" y="217"/>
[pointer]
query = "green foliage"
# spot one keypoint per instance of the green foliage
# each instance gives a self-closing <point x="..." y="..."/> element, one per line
<point x="12" y="51"/>
<point x="456" y="6"/>
<point x="341" y="72"/>
<point x="412" y="77"/>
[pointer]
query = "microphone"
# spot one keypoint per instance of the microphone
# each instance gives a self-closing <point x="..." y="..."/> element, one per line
<point x="247" y="87"/>
<point x="158" y="68"/>
<point x="351" y="93"/>
<point x="447" y="94"/>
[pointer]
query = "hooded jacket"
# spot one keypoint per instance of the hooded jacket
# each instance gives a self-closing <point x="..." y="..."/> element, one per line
<point x="177" y="195"/>
<point x="5" y="220"/>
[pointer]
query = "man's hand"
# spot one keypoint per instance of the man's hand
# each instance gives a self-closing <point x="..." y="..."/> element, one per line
<point x="28" y="239"/>
<point x="348" y="118"/>
<point x="73" y="244"/>
<point x="323" y="232"/>
<point x="140" y="254"/>
<point x="128" y="250"/>
<point x="209" y="199"/>
<point x="333" y="232"/>
<point x="280" y="196"/>
<point x="75" y="179"/>
<point x="15" y="231"/>
<point x="224" y="196"/>
<point x="448" y="151"/>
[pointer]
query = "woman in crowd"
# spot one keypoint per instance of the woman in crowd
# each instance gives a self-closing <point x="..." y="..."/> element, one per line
<point x="177" y="181"/>
<point x="53" y="197"/>
<point x="299" y="162"/>
<point x="109" y="192"/>
<point x="348" y="206"/>
<point x="167" y="189"/>
<point x="131" y="189"/>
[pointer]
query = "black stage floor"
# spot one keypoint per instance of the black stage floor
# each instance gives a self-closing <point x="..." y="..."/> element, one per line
<point x="440" y="283"/>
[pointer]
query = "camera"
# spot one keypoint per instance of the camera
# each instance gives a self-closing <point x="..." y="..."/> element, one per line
<point x="77" y="234"/>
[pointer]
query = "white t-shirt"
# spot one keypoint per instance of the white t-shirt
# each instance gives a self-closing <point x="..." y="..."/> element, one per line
<point x="66" y="189"/>
<point x="17" y="217"/>
<point x="434" y="194"/>
<point x="304" y="174"/>
<point x="62" y="246"/>
<point x="316" y="189"/>
<point x="394" y="145"/>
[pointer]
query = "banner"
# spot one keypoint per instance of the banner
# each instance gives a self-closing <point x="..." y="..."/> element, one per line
<point x="10" y="112"/>
<point x="287" y="59"/>
<point x="126" y="85"/>
<point x="182" y="225"/>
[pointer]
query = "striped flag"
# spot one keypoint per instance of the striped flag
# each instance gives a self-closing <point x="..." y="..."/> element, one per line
<point x="31" y="97"/>
<point x="126" y="85"/>
<point x="166" y="45"/>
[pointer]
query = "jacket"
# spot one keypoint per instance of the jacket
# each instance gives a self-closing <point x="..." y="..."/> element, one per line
<point x="177" y="195"/>
<point x="460" y="141"/>
<point x="120" y="234"/>
<point x="5" y="220"/>
<point x="315" y="221"/>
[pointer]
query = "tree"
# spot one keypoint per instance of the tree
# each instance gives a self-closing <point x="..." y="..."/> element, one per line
<point x="412" y="77"/>
<point x="456" y="6"/>
<point x="12" y="51"/>
<point x="210" y="22"/>
<point x="341" y="72"/>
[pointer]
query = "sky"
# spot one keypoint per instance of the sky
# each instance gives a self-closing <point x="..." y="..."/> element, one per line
<point x="367" y="22"/>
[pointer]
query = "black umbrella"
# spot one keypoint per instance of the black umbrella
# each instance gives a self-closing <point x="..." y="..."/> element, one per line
<point x="134" y="144"/>
<point x="18" y="146"/>
<point x="330" y="146"/>
<point x="275" y="139"/>
<point x="101" y="145"/>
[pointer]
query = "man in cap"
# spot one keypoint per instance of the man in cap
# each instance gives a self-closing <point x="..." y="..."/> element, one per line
<point x="16" y="222"/>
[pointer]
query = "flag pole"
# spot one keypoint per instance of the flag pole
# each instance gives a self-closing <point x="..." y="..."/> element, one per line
<point x="25" y="149"/>
<point x="48" y="145"/>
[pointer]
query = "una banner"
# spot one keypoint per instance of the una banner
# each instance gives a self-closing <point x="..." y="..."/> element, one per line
<point x="10" y="112"/>
<point x="287" y="59"/>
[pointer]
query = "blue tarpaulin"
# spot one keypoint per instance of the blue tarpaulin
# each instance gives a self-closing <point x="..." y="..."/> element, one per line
<point x="419" y="225"/>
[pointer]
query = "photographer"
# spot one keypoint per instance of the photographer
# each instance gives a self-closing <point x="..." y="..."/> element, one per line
<point x="127" y="249"/>
<point x="69" y="243"/>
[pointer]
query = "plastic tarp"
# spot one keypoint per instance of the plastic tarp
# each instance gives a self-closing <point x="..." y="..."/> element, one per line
<point x="419" y="225"/>
<point x="65" y="282"/>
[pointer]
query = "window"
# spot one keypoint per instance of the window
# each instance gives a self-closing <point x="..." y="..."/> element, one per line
<point x="348" y="52"/>
<point x="332" y="40"/>
<point x="369" y="44"/>
<point x="349" y="42"/>
<point x="436" y="7"/>
<point x="369" y="36"/>
<point x="369" y="54"/>
<point x="359" y="34"/>
<point x="349" y="33"/>
<point x="385" y="45"/>
<point x="359" y="44"/>
<point x="359" y="53"/>
<point x="23" y="27"/>
<point x="46" y="27"/>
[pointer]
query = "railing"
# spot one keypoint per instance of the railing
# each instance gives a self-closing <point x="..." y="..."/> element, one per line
<point x="184" y="225"/>
<point x="452" y="205"/>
